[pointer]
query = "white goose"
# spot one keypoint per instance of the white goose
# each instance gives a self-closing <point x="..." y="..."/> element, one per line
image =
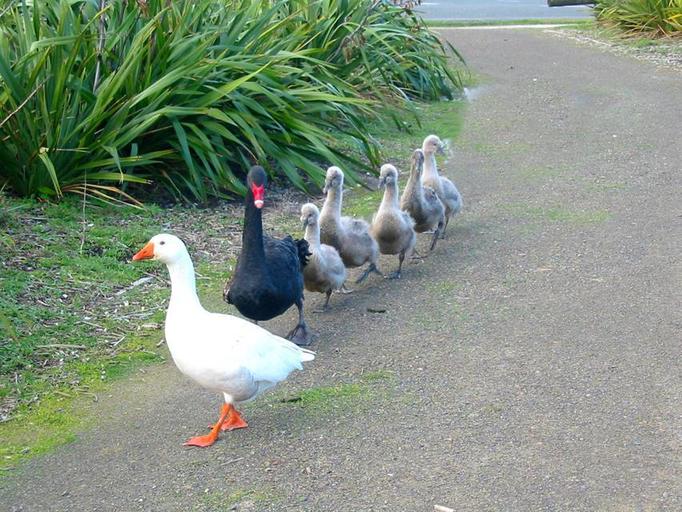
<point x="220" y="352"/>
<point x="445" y="189"/>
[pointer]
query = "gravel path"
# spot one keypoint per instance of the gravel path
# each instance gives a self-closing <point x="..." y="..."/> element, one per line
<point x="532" y="363"/>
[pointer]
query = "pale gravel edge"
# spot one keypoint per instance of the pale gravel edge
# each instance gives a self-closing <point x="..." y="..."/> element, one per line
<point x="666" y="56"/>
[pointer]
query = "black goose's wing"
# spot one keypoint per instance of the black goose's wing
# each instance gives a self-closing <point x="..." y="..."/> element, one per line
<point x="283" y="255"/>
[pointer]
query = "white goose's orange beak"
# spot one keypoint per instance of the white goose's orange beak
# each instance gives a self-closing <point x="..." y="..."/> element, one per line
<point x="146" y="253"/>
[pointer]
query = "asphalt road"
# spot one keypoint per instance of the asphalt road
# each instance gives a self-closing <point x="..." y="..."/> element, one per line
<point x="498" y="10"/>
<point x="531" y="364"/>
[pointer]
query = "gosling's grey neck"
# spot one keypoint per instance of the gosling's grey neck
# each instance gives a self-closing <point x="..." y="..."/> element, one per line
<point x="312" y="235"/>
<point x="390" y="196"/>
<point x="413" y="187"/>
<point x="183" y="285"/>
<point x="332" y="205"/>
<point x="430" y="167"/>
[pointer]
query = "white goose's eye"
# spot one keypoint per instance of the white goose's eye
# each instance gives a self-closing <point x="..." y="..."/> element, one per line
<point x="162" y="242"/>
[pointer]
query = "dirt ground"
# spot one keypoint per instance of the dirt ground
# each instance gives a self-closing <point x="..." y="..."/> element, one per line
<point x="531" y="363"/>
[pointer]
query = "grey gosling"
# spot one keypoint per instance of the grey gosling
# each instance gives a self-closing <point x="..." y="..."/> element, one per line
<point x="393" y="228"/>
<point x="422" y="202"/>
<point x="445" y="189"/>
<point x="325" y="271"/>
<point x="347" y="235"/>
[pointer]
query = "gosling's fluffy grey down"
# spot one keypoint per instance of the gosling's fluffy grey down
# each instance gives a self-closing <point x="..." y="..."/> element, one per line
<point x="347" y="235"/>
<point x="393" y="228"/>
<point x="446" y="190"/>
<point x="325" y="271"/>
<point x="422" y="202"/>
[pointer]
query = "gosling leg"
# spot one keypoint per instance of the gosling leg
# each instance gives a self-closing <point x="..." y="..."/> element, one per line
<point x="439" y="232"/>
<point x="371" y="268"/>
<point x="325" y="308"/>
<point x="345" y="290"/>
<point x="442" y="235"/>
<point x="396" y="274"/>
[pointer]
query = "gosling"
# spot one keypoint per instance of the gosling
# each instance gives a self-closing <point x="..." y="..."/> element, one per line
<point x="393" y="228"/>
<point x="325" y="271"/>
<point x="445" y="189"/>
<point x="347" y="235"/>
<point x="422" y="202"/>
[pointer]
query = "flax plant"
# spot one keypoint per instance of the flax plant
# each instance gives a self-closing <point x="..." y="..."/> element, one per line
<point x="104" y="98"/>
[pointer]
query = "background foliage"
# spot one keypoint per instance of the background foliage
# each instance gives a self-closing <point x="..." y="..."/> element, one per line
<point x="190" y="93"/>
<point x="653" y="18"/>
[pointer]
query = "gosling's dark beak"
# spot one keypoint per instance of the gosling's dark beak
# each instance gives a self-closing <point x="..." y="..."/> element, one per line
<point x="325" y="189"/>
<point x="441" y="149"/>
<point x="382" y="182"/>
<point x="304" y="221"/>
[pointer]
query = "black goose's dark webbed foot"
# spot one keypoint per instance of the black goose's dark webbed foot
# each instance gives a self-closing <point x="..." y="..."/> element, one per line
<point x="393" y="275"/>
<point x="301" y="335"/>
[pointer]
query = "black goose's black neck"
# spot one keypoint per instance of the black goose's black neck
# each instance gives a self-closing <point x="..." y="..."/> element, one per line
<point x="252" y="236"/>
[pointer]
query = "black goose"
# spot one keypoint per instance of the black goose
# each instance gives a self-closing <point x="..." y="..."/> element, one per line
<point x="268" y="279"/>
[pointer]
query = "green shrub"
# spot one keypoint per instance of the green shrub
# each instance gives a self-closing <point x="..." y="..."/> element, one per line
<point x="653" y="18"/>
<point x="190" y="93"/>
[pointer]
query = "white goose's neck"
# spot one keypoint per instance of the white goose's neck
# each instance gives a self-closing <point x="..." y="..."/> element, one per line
<point x="332" y="204"/>
<point x="183" y="286"/>
<point x="312" y="235"/>
<point x="430" y="172"/>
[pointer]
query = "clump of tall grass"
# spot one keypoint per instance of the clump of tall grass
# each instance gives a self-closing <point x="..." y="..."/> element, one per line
<point x="649" y="18"/>
<point x="100" y="96"/>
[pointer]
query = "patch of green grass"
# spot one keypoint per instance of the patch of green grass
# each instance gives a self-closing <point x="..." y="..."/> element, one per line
<point x="442" y="287"/>
<point x="324" y="397"/>
<point x="223" y="501"/>
<point x="362" y="203"/>
<point x="540" y="173"/>
<point x="606" y="186"/>
<point x="346" y="395"/>
<point x="378" y="375"/>
<point x="558" y="214"/>
<point x="64" y="408"/>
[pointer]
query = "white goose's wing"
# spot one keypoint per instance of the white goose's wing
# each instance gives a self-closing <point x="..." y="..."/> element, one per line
<point x="267" y="357"/>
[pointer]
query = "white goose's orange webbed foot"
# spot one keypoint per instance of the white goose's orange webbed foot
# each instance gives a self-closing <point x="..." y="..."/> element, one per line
<point x="233" y="421"/>
<point x="212" y="436"/>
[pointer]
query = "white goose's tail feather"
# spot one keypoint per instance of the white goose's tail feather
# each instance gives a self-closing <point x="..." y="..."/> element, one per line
<point x="307" y="355"/>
